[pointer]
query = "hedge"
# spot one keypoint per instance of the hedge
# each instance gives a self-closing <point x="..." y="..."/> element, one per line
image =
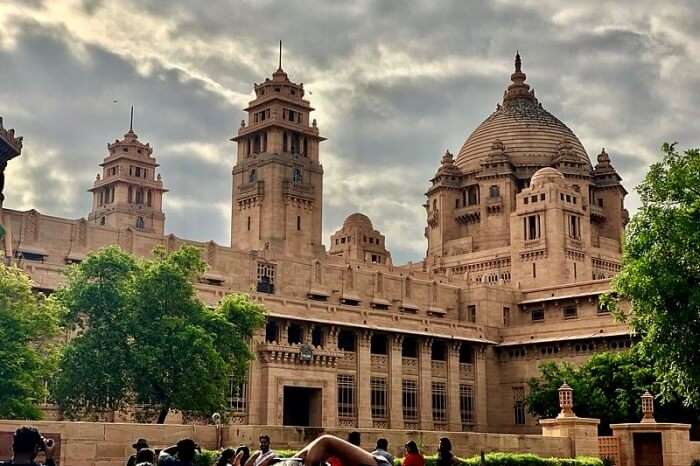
<point x="207" y="458"/>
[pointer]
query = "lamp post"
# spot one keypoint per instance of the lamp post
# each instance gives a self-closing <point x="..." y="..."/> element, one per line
<point x="648" y="407"/>
<point x="216" y="418"/>
<point x="566" y="401"/>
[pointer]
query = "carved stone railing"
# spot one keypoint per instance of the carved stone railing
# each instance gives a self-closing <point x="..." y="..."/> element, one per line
<point x="438" y="368"/>
<point x="609" y="447"/>
<point x="380" y="424"/>
<point x="466" y="371"/>
<point x="300" y="190"/>
<point x="410" y="425"/>
<point x="347" y="360"/>
<point x="597" y="213"/>
<point x="469" y="214"/>
<point x="409" y="365"/>
<point x="256" y="188"/>
<point x="347" y="422"/>
<point x="379" y="362"/>
<point x="271" y="353"/>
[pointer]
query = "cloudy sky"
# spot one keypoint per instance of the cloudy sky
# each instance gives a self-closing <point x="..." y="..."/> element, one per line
<point x="395" y="83"/>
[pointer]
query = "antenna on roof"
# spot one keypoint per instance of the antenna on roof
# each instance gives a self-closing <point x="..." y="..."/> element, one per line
<point x="131" y="121"/>
<point x="280" y="64"/>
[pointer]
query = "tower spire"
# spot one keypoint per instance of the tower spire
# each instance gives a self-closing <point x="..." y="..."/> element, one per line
<point x="131" y="120"/>
<point x="279" y="68"/>
<point x="518" y="62"/>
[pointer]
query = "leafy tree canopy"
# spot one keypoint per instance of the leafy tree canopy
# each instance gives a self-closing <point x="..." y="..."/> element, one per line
<point x="608" y="387"/>
<point x="28" y="323"/>
<point x="660" y="276"/>
<point x="144" y="337"/>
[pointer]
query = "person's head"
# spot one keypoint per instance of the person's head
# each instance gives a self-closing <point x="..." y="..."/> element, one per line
<point x="186" y="449"/>
<point x="146" y="455"/>
<point x="140" y="444"/>
<point x="27" y="442"/>
<point x="445" y="445"/>
<point x="411" y="447"/>
<point x="264" y="443"/>
<point x="382" y="444"/>
<point x="354" y="438"/>
<point x="246" y="453"/>
<point x="226" y="456"/>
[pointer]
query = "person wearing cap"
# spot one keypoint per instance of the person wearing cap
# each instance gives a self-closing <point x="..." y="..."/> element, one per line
<point x="180" y="454"/>
<point x="138" y="446"/>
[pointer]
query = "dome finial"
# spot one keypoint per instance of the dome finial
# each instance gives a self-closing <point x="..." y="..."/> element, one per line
<point x="518" y="62"/>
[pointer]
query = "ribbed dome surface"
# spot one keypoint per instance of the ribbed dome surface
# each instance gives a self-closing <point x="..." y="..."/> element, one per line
<point x="530" y="133"/>
<point x="359" y="220"/>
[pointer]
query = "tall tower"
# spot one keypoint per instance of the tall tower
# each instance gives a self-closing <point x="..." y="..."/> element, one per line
<point x="128" y="193"/>
<point x="278" y="179"/>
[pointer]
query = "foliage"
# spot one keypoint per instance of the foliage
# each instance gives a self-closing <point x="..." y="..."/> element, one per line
<point x="144" y="336"/>
<point x="28" y="321"/>
<point x="608" y="387"/>
<point x="660" y="276"/>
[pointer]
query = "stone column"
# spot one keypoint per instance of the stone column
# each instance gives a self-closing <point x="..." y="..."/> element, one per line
<point x="425" y="379"/>
<point x="454" y="415"/>
<point x="283" y="337"/>
<point x="480" y="388"/>
<point x="364" y="371"/>
<point x="395" y="382"/>
<point x="256" y="394"/>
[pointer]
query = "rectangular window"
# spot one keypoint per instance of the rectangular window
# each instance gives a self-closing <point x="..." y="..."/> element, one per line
<point x="378" y="395"/>
<point x="346" y="396"/>
<point x="237" y="395"/>
<point x="137" y="172"/>
<point x="471" y="313"/>
<point x="439" y="402"/>
<point x="466" y="404"/>
<point x="298" y="223"/>
<point x="531" y="226"/>
<point x="537" y="315"/>
<point x="542" y="197"/>
<point x="248" y="223"/>
<point x="600" y="309"/>
<point x="409" y="400"/>
<point x="506" y="316"/>
<point x="574" y="227"/>
<point x="570" y="312"/>
<point x="519" y="405"/>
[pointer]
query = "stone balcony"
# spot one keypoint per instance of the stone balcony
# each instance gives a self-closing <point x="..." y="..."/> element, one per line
<point x="305" y="191"/>
<point x="469" y="214"/>
<point x="438" y="368"/>
<point x="597" y="213"/>
<point x="347" y="360"/>
<point x="256" y="188"/>
<point x="272" y="353"/>
<point x="409" y="366"/>
<point x="466" y="371"/>
<point x="379" y="362"/>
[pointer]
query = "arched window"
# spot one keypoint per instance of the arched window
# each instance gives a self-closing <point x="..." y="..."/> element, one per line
<point x="472" y="195"/>
<point x="252" y="177"/>
<point x="494" y="191"/>
<point x="140" y="224"/>
<point x="296" y="176"/>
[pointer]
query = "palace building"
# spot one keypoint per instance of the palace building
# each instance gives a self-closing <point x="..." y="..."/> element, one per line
<point x="523" y="234"/>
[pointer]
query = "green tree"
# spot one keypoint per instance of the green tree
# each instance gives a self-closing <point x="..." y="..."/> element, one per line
<point x="28" y="323"/>
<point x="660" y="276"/>
<point x="148" y="337"/>
<point x="608" y="387"/>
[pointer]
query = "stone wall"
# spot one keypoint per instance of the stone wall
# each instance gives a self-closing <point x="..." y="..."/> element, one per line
<point x="109" y="444"/>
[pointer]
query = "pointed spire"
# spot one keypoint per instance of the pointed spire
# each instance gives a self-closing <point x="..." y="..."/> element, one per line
<point x="279" y="68"/>
<point x="519" y="89"/>
<point x="518" y="62"/>
<point x="131" y="120"/>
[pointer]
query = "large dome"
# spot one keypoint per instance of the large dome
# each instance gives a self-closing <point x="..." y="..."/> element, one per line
<point x="531" y="134"/>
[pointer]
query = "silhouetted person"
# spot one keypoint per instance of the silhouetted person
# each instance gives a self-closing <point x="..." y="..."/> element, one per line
<point x="145" y="457"/>
<point x="226" y="457"/>
<point x="180" y="454"/>
<point x="445" y="457"/>
<point x="413" y="456"/>
<point x="26" y="445"/>
<point x="382" y="450"/>
<point x="139" y="445"/>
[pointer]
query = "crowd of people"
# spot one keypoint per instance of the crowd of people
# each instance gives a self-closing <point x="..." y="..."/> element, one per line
<point x="325" y="450"/>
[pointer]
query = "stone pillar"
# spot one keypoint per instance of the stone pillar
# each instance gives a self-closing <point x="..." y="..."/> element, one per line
<point x="480" y="387"/>
<point x="425" y="379"/>
<point x="256" y="394"/>
<point x="583" y="432"/>
<point x="364" y="371"/>
<point x="454" y="415"/>
<point x="283" y="337"/>
<point x="395" y="383"/>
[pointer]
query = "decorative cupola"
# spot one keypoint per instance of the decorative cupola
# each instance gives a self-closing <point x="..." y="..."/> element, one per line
<point x="497" y="162"/>
<point x="604" y="173"/>
<point x="568" y="162"/>
<point x="447" y="172"/>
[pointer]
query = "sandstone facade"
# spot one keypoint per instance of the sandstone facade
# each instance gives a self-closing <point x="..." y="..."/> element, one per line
<point x="523" y="236"/>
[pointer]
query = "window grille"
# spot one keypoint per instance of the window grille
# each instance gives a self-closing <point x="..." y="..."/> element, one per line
<point x="409" y="399"/>
<point x="378" y="397"/>
<point x="466" y="404"/>
<point x="519" y="405"/>
<point x="237" y="395"/>
<point x="439" y="401"/>
<point x="346" y="395"/>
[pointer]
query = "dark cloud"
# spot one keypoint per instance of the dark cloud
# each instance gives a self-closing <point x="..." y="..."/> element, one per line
<point x="395" y="85"/>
